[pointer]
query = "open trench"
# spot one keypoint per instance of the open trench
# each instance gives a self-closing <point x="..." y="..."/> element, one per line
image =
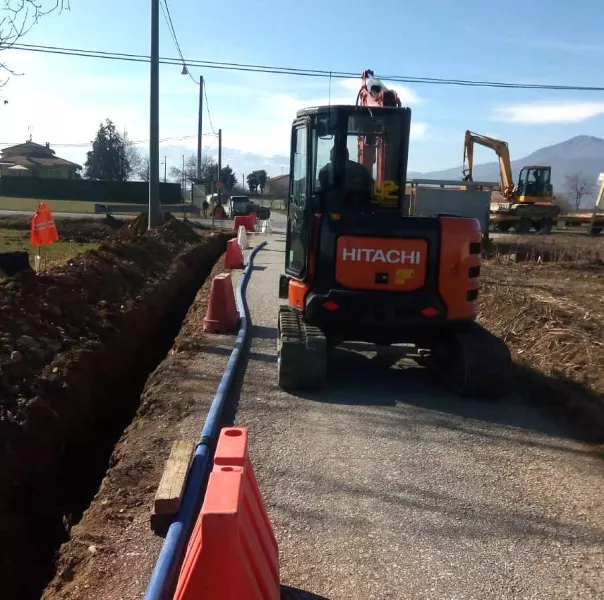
<point x="106" y="385"/>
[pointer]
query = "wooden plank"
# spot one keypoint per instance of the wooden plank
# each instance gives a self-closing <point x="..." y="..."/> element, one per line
<point x="171" y="486"/>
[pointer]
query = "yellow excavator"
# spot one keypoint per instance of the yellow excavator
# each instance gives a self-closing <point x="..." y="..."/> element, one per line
<point x="529" y="204"/>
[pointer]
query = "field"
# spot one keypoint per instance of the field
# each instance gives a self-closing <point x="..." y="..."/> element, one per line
<point x="31" y="204"/>
<point x="76" y="236"/>
<point x="60" y="206"/>
<point x="543" y="296"/>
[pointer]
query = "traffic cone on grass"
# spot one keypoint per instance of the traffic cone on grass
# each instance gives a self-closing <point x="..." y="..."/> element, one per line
<point x="234" y="255"/>
<point x="222" y="315"/>
<point x="242" y="238"/>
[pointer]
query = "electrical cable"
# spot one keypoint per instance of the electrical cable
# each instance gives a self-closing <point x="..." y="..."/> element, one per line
<point x="168" y="18"/>
<point x="205" y="93"/>
<point x="86" y="144"/>
<point x="243" y="67"/>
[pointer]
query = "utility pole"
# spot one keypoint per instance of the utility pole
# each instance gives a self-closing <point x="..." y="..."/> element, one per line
<point x="165" y="169"/>
<point x="154" y="200"/>
<point x="219" y="161"/>
<point x="199" y="127"/>
<point x="184" y="181"/>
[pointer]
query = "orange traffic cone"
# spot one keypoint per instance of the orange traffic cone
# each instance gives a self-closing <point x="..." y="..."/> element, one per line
<point x="234" y="255"/>
<point x="222" y="315"/>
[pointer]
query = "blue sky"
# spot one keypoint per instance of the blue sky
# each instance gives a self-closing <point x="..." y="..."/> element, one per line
<point x="63" y="99"/>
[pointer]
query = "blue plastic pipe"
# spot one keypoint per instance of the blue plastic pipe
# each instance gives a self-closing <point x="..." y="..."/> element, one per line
<point x="168" y="563"/>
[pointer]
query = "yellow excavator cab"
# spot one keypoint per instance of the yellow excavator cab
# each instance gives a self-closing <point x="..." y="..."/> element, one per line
<point x="534" y="185"/>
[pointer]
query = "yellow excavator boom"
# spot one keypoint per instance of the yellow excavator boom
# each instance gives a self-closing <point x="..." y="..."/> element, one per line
<point x="503" y="153"/>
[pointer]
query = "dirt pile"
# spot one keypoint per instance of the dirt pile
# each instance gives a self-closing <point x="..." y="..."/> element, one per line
<point x="76" y="346"/>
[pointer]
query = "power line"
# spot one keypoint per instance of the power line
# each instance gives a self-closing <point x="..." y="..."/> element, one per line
<point x="168" y="21"/>
<point x="168" y="18"/>
<point x="166" y="10"/>
<point x="243" y="67"/>
<point x="205" y="93"/>
<point x="87" y="144"/>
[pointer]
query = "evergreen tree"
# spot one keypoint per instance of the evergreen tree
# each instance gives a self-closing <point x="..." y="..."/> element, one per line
<point x="108" y="158"/>
<point x="228" y="178"/>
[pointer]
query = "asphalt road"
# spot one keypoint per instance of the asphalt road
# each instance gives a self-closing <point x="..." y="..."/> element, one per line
<point x="386" y="486"/>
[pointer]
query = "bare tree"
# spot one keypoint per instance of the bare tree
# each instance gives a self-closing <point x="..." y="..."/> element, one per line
<point x="209" y="170"/>
<point x="17" y="17"/>
<point x="578" y="185"/>
<point x="142" y="170"/>
<point x="133" y="155"/>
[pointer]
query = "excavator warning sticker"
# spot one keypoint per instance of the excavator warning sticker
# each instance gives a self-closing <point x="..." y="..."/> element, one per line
<point x="403" y="275"/>
<point x="386" y="193"/>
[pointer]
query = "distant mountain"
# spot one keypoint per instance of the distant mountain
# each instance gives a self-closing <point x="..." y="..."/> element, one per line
<point x="583" y="153"/>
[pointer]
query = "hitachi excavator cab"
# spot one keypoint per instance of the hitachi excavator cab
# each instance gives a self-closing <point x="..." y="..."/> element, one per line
<point x="358" y="267"/>
<point x="534" y="185"/>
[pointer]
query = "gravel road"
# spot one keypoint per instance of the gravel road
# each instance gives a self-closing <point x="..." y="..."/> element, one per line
<point x="385" y="486"/>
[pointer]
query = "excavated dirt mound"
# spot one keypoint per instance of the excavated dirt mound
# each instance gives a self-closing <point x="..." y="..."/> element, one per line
<point x="552" y="317"/>
<point x="76" y="346"/>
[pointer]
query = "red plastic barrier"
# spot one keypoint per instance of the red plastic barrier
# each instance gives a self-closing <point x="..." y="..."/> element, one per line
<point x="232" y="554"/>
<point x="248" y="221"/>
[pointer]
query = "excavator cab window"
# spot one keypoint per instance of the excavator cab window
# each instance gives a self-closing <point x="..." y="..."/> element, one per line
<point x="535" y="181"/>
<point x="361" y="165"/>
<point x="297" y="222"/>
<point x="344" y="159"/>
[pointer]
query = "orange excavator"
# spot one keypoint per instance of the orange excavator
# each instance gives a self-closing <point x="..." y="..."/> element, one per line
<point x="358" y="267"/>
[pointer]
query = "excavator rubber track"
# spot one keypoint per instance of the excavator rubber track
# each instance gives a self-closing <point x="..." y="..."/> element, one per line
<point x="302" y="352"/>
<point x="472" y="361"/>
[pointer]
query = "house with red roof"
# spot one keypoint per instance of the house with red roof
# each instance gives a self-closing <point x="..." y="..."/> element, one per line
<point x="34" y="160"/>
<point x="277" y="185"/>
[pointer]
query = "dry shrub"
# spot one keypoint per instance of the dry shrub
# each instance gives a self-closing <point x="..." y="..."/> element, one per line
<point x="556" y="337"/>
<point x="571" y="249"/>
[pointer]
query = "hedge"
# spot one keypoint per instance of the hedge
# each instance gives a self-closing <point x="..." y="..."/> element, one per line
<point x="86" y="190"/>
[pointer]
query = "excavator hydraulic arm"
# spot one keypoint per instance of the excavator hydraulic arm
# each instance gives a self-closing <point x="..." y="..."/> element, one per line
<point x="374" y="93"/>
<point x="503" y="153"/>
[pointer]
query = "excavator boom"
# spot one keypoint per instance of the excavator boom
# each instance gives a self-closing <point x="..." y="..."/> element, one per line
<point x="503" y="154"/>
<point x="374" y="93"/>
<point x="373" y="151"/>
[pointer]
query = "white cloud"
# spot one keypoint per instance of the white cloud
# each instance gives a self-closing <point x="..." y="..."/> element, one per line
<point x="64" y="103"/>
<point x="268" y="131"/>
<point x="541" y="113"/>
<point x="419" y="131"/>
